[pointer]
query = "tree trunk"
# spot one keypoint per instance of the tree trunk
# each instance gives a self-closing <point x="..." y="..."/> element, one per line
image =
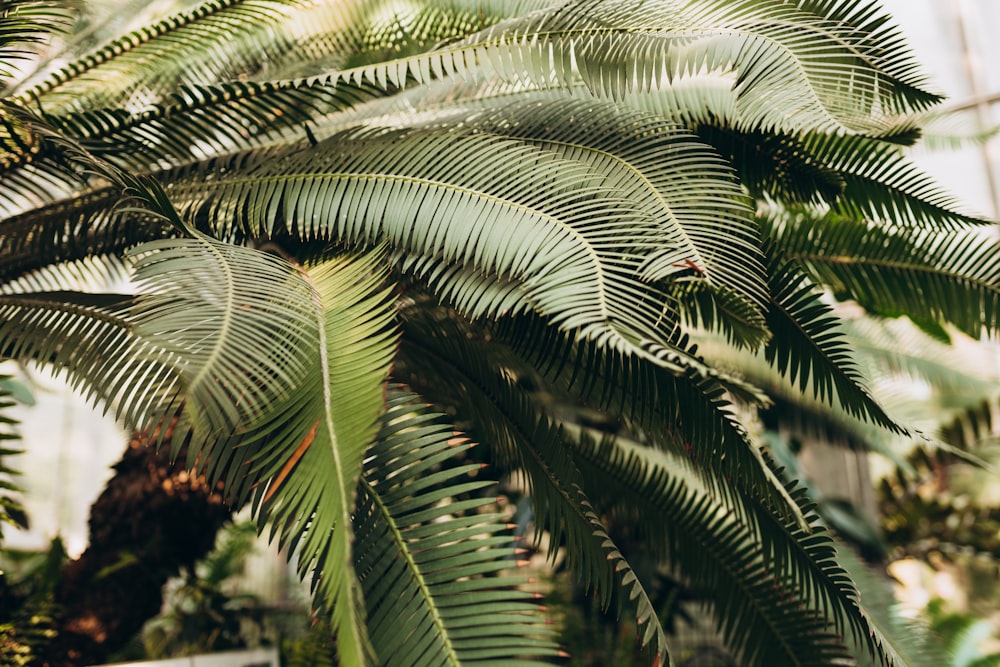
<point x="154" y="518"/>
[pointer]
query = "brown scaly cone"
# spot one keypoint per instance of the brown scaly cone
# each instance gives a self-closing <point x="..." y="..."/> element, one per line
<point x="154" y="518"/>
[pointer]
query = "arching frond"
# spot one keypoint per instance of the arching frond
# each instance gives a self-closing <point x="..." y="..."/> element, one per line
<point x="200" y="303"/>
<point x="851" y="175"/>
<point x="930" y="276"/>
<point x="810" y="349"/>
<point x="743" y="560"/>
<point x="769" y="47"/>
<point x="881" y="184"/>
<point x="70" y="230"/>
<point x="500" y="206"/>
<point x="229" y="40"/>
<point x="688" y="415"/>
<point x="433" y="571"/>
<point x="703" y="215"/>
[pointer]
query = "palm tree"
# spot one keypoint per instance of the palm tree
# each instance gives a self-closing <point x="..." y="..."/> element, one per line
<point x="367" y="234"/>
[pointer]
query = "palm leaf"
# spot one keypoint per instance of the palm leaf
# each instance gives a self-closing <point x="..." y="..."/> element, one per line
<point x="931" y="276"/>
<point x="811" y="350"/>
<point x="854" y="176"/>
<point x="216" y="40"/>
<point x="201" y="303"/>
<point x="432" y="570"/>
<point x="758" y="589"/>
<point x="706" y="222"/>
<point x="82" y="335"/>
<point x="33" y="241"/>
<point x="689" y="415"/>
<point x="767" y="46"/>
<point x="310" y="445"/>
<point x="499" y="206"/>
<point x="437" y="357"/>
<point x="778" y="566"/>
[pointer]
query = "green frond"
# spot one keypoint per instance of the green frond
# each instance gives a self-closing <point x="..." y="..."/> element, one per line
<point x="651" y="631"/>
<point x="620" y="47"/>
<point x="217" y="40"/>
<point x="201" y="305"/>
<point x="200" y="122"/>
<point x="32" y="174"/>
<point x="796" y="576"/>
<point x="310" y="445"/>
<point x="881" y="184"/>
<point x="705" y="217"/>
<point x="433" y="571"/>
<point x="809" y="347"/>
<point x="257" y="40"/>
<point x="774" y="166"/>
<point x="70" y="230"/>
<point x="875" y="39"/>
<point x="12" y="513"/>
<point x="722" y="311"/>
<point x="82" y="335"/>
<point x="851" y="175"/>
<point x="438" y="357"/>
<point x="685" y="414"/>
<point x="931" y="276"/>
<point x="762" y="579"/>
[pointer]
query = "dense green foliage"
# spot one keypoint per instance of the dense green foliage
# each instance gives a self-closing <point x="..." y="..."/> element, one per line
<point x="367" y="234"/>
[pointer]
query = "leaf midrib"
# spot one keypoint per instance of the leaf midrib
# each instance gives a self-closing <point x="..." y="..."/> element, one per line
<point x="411" y="564"/>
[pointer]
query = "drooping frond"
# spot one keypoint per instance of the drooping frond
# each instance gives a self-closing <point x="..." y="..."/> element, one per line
<point x="12" y="512"/>
<point x="811" y="350"/>
<point x="688" y="415"/>
<point x="882" y="184"/>
<point x="794" y="576"/>
<point x="229" y="40"/>
<point x="875" y="38"/>
<point x="761" y="613"/>
<point x="200" y="304"/>
<point x="433" y="571"/>
<point x="931" y="276"/>
<point x="707" y="228"/>
<point x="651" y="632"/>
<point x="66" y="231"/>
<point x="203" y="303"/>
<point x="437" y="356"/>
<point x="852" y="175"/>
